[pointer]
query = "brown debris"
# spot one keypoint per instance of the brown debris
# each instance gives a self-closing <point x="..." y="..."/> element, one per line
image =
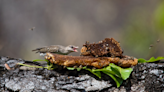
<point x="107" y="47"/>
<point x="98" y="62"/>
<point x="97" y="55"/>
<point x="7" y="66"/>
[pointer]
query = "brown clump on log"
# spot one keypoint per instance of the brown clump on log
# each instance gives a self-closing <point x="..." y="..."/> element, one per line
<point x="108" y="47"/>
<point x="98" y="62"/>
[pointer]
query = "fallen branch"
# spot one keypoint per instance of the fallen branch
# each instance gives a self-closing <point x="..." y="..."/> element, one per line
<point x="98" y="62"/>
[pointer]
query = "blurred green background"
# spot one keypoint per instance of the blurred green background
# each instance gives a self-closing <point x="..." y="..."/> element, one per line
<point x="138" y="25"/>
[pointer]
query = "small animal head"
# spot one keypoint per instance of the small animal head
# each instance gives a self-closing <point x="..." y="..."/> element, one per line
<point x="72" y="48"/>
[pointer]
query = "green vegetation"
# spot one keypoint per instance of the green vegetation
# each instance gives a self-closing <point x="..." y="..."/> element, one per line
<point x="142" y="30"/>
<point x="117" y="73"/>
<point x="152" y="59"/>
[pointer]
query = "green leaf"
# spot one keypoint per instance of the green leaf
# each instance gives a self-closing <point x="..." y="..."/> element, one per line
<point x="107" y="70"/>
<point x="29" y="65"/>
<point x="70" y="68"/>
<point x="39" y="60"/>
<point x="50" y="66"/>
<point x="113" y="69"/>
<point x="141" y="60"/>
<point x="116" y="79"/>
<point x="78" y="69"/>
<point x="97" y="73"/>
<point x="46" y="60"/>
<point x="117" y="73"/>
<point x="152" y="59"/>
<point x="123" y="72"/>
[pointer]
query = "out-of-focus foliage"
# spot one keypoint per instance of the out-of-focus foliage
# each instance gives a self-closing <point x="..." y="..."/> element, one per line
<point x="143" y="32"/>
<point x="152" y="59"/>
<point x="26" y="25"/>
<point x="159" y="17"/>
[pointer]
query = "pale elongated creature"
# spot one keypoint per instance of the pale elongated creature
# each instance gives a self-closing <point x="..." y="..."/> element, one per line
<point x="58" y="49"/>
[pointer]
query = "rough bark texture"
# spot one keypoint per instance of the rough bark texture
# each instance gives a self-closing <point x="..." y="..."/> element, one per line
<point x="107" y="47"/>
<point x="148" y="77"/>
